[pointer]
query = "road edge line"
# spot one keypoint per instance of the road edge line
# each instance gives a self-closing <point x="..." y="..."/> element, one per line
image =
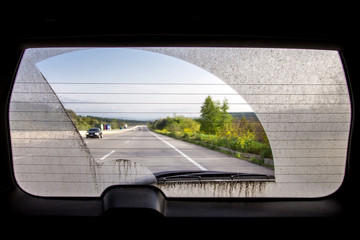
<point x="183" y="154"/>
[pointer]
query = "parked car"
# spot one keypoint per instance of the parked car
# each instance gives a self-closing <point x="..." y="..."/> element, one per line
<point x="94" y="132"/>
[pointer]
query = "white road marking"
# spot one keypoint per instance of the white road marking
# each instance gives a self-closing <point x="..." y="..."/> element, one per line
<point x="107" y="155"/>
<point x="183" y="154"/>
<point x="127" y="142"/>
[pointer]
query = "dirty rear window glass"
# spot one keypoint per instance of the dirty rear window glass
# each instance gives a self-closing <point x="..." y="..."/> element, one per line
<point x="194" y="122"/>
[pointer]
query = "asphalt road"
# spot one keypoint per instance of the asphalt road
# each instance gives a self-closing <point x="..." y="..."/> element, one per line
<point x="161" y="153"/>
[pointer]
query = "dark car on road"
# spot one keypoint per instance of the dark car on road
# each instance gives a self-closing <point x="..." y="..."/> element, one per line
<point x="94" y="132"/>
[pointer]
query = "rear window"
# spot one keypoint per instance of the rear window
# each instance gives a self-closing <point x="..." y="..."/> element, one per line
<point x="94" y="129"/>
<point x="194" y="122"/>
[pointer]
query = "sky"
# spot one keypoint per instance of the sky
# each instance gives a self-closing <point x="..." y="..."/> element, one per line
<point x="127" y="83"/>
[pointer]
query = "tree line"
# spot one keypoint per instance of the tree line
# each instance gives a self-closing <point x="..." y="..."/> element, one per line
<point x="86" y="122"/>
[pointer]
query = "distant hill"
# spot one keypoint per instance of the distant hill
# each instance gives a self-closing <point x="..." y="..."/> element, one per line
<point x="248" y="115"/>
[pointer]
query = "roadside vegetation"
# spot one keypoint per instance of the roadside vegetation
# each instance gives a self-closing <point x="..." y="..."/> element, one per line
<point x="217" y="129"/>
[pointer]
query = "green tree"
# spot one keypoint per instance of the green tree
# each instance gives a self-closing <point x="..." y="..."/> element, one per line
<point x="71" y="113"/>
<point x="210" y="116"/>
<point x="226" y="119"/>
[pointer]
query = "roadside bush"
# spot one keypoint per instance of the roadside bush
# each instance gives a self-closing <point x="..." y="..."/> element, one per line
<point x="245" y="141"/>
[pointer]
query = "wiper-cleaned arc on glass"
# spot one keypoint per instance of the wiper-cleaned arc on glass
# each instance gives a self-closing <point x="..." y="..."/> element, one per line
<point x="210" y="176"/>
